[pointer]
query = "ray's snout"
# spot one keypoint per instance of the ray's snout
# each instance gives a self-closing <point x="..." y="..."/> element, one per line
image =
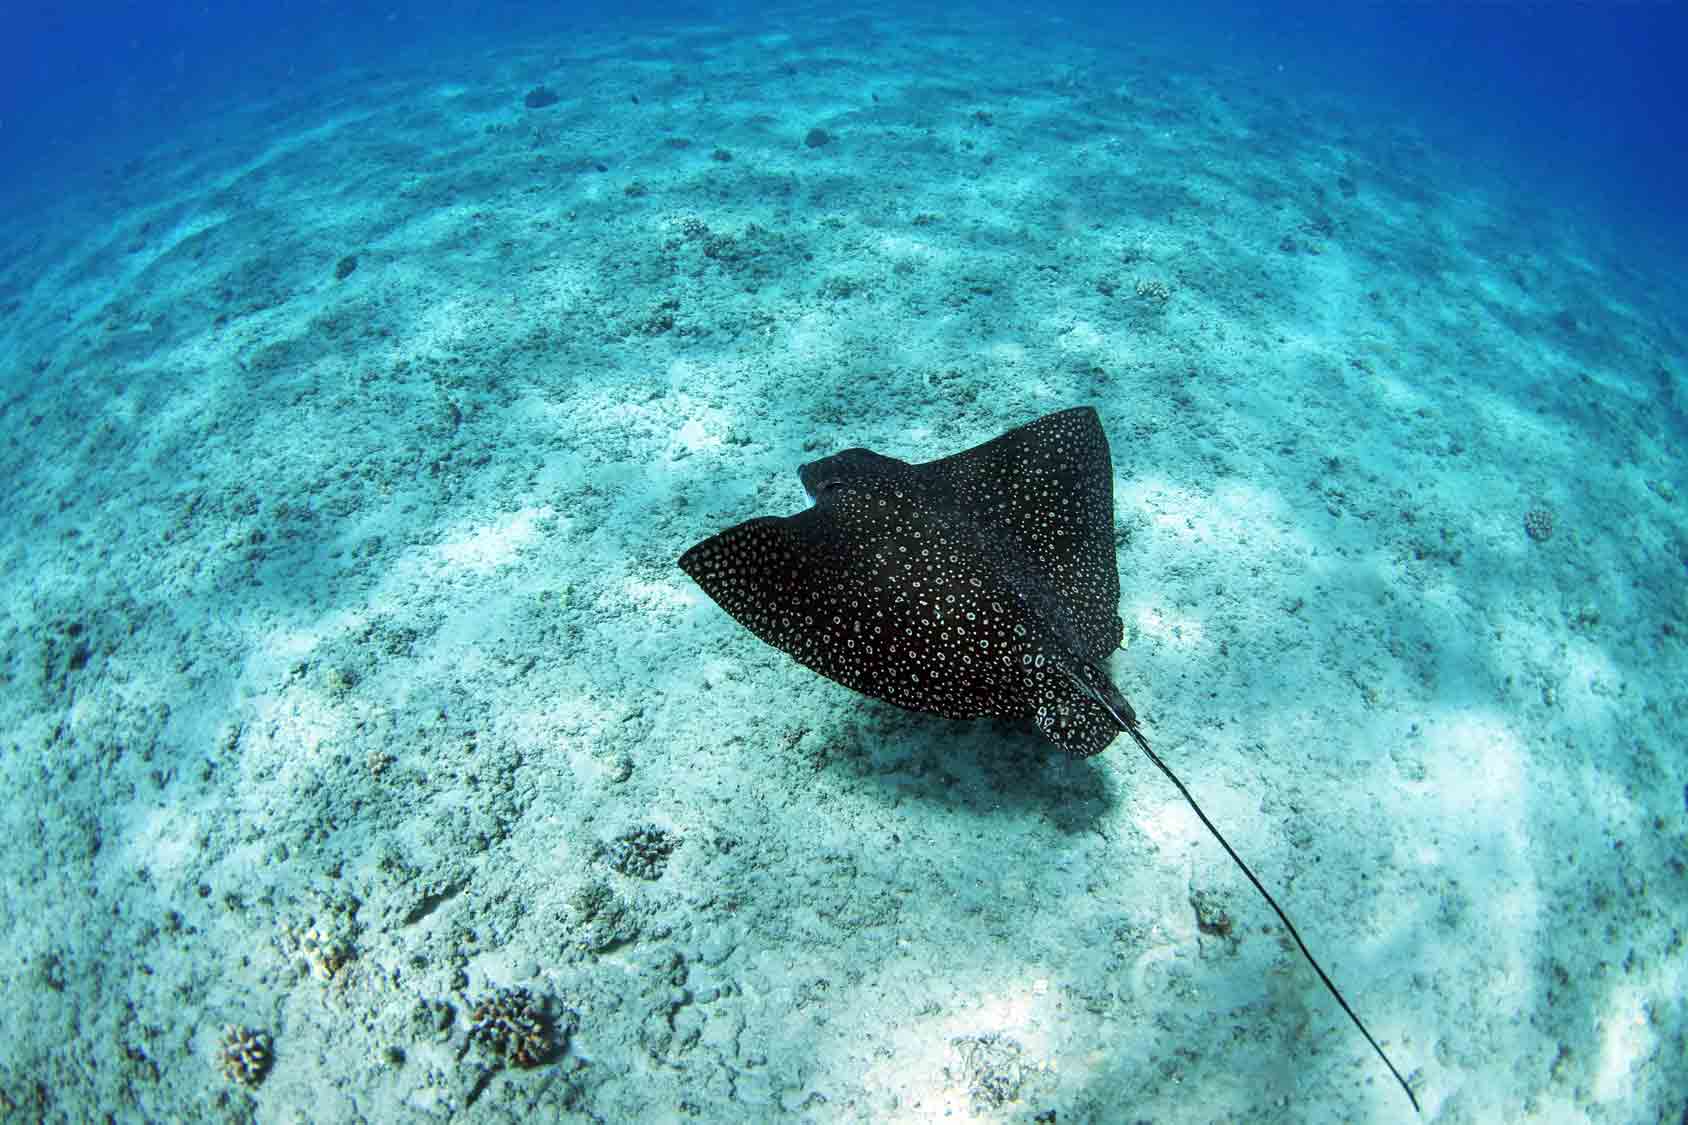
<point x="815" y="478"/>
<point x="830" y="473"/>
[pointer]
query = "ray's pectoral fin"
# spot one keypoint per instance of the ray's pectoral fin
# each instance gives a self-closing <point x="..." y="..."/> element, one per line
<point x="765" y="572"/>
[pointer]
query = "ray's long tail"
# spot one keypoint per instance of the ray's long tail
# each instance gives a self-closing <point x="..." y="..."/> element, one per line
<point x="1123" y="714"/>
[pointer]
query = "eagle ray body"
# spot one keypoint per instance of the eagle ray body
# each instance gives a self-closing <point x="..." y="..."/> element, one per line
<point x="983" y="583"/>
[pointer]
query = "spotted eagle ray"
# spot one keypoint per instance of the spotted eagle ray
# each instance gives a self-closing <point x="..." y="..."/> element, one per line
<point x="983" y="583"/>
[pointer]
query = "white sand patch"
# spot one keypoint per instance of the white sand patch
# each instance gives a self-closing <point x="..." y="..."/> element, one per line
<point x="484" y="549"/>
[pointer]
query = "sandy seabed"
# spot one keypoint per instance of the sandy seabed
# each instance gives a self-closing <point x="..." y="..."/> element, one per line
<point x="349" y="678"/>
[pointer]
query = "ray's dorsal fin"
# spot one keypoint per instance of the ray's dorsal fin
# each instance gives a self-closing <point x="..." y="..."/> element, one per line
<point x="1043" y="495"/>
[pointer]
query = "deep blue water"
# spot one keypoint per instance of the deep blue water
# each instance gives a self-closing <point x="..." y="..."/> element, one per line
<point x="83" y="86"/>
<point x="1589" y="101"/>
<point x="1585" y="101"/>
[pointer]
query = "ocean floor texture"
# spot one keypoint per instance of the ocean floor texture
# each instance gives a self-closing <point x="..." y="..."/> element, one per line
<point x="368" y="757"/>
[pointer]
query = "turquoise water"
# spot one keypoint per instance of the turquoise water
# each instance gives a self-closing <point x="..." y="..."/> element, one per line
<point x="362" y="379"/>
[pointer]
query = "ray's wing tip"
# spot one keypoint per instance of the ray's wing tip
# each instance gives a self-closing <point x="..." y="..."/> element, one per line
<point x="700" y="560"/>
